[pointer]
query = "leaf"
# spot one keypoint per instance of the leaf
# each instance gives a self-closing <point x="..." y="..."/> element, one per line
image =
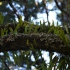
<point x="55" y="59"/>
<point x="50" y="30"/>
<point x="61" y="34"/>
<point x="40" y="22"/>
<point x="35" y="30"/>
<point x="49" y="24"/>
<point x="27" y="42"/>
<point x="66" y="28"/>
<point x="51" y="64"/>
<point x="34" y="42"/>
<point x="62" y="64"/>
<point x="1" y="18"/>
<point x="5" y="31"/>
<point x="2" y="32"/>
<point x="11" y="30"/>
<point x="20" y="20"/>
<point x="26" y="29"/>
<point x="57" y="24"/>
<point x="52" y="23"/>
<point x="56" y="31"/>
<point x="30" y="28"/>
<point x="16" y="28"/>
<point x="66" y="39"/>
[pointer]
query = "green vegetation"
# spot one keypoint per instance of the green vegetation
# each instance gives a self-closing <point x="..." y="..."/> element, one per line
<point x="34" y="39"/>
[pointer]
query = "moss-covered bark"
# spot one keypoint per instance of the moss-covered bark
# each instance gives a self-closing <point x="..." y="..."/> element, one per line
<point x="49" y="42"/>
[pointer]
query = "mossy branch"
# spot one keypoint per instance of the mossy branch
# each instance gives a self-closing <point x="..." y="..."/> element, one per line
<point x="49" y="42"/>
<point x="27" y="36"/>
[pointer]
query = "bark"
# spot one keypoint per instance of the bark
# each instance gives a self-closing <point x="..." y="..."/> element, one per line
<point x="21" y="41"/>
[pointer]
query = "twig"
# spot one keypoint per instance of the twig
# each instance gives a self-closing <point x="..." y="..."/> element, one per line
<point x="4" y="62"/>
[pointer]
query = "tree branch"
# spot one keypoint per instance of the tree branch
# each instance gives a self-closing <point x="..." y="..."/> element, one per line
<point x="65" y="12"/>
<point x="14" y="9"/>
<point x="38" y="41"/>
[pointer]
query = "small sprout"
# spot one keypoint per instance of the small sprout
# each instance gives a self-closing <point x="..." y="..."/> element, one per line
<point x="66" y="28"/>
<point x="11" y="30"/>
<point x="27" y="42"/>
<point x="49" y="24"/>
<point x="26" y="28"/>
<point x="20" y="20"/>
<point x="35" y="42"/>
<point x="1" y="18"/>
<point x="2" y="32"/>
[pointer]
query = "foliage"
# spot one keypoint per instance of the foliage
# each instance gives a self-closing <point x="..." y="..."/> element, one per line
<point x="1" y="18"/>
<point x="22" y="57"/>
